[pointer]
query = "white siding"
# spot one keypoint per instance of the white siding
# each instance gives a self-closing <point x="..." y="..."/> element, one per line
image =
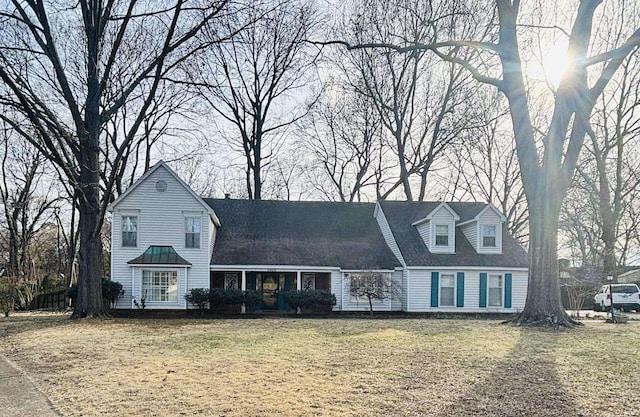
<point x="419" y="295"/>
<point x="470" y="231"/>
<point x="387" y="234"/>
<point x="442" y="216"/>
<point x="160" y="222"/>
<point x="424" y="229"/>
<point x="419" y="285"/>
<point x="337" y="289"/>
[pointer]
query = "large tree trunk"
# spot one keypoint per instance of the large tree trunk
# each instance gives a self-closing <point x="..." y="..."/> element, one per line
<point x="90" y="267"/>
<point x="544" y="303"/>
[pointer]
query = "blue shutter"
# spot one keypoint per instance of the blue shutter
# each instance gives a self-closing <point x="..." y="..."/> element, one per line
<point x="460" y="290"/>
<point x="483" y="289"/>
<point x="435" y="287"/>
<point x="508" y="285"/>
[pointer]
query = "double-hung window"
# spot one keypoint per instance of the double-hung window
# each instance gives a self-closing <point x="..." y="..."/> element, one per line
<point x="495" y="291"/>
<point x="442" y="235"/>
<point x="160" y="286"/>
<point x="308" y="281"/>
<point x="129" y="231"/>
<point x="447" y="290"/>
<point x="193" y="227"/>
<point x="488" y="236"/>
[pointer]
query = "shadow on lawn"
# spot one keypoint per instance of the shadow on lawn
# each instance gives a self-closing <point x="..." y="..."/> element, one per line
<point x="524" y="383"/>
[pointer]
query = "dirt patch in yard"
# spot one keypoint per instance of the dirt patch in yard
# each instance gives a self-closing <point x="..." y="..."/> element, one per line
<point x="303" y="367"/>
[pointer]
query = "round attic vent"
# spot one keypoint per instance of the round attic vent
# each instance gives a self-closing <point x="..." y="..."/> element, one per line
<point x="161" y="186"/>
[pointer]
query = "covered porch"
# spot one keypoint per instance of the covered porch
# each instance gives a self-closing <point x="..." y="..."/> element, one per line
<point x="273" y="283"/>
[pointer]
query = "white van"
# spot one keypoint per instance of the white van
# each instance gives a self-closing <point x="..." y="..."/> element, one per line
<point x="625" y="297"/>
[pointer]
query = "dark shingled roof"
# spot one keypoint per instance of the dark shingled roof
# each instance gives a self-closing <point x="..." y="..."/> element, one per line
<point x="160" y="255"/>
<point x="401" y="214"/>
<point x="260" y="232"/>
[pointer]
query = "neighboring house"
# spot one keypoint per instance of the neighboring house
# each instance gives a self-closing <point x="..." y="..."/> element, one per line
<point x="631" y="276"/>
<point x="453" y="257"/>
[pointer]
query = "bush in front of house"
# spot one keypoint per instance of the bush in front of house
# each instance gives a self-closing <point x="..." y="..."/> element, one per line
<point x="111" y="292"/>
<point x="316" y="300"/>
<point x="252" y="299"/>
<point x="199" y="297"/>
<point x="233" y="297"/>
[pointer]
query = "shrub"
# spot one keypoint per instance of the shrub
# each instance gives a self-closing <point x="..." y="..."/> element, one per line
<point x="111" y="292"/>
<point x="7" y="296"/>
<point x="321" y="300"/>
<point x="199" y="297"/>
<point x="252" y="299"/>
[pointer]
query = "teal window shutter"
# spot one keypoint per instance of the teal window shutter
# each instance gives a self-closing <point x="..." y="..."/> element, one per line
<point x="483" y="289"/>
<point x="435" y="287"/>
<point x="460" y="289"/>
<point x="508" y="285"/>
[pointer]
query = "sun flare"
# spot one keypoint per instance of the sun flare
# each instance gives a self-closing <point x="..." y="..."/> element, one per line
<point x="554" y="63"/>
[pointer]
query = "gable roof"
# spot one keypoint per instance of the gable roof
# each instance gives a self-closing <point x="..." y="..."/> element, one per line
<point x="486" y="208"/>
<point x="159" y="255"/>
<point x="262" y="232"/>
<point x="429" y="216"/>
<point x="147" y="174"/>
<point x="402" y="214"/>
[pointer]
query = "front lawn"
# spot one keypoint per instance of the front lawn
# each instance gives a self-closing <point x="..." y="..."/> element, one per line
<point x="332" y="367"/>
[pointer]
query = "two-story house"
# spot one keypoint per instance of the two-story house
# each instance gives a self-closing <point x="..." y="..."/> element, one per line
<point x="453" y="257"/>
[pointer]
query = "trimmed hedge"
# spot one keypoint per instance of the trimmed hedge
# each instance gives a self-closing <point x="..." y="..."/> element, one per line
<point x="218" y="297"/>
<point x="321" y="300"/>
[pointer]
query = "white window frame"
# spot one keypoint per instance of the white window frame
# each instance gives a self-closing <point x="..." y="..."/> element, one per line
<point x="435" y="235"/>
<point x="501" y="290"/>
<point x="124" y="229"/>
<point x="483" y="235"/>
<point x="440" y="297"/>
<point x="148" y="292"/>
<point x="197" y="241"/>
<point x="229" y="278"/>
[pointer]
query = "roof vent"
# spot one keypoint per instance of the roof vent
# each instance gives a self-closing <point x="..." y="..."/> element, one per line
<point x="227" y="196"/>
<point x="161" y="186"/>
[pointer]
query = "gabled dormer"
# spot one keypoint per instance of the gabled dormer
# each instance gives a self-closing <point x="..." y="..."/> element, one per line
<point x="438" y="229"/>
<point x="484" y="231"/>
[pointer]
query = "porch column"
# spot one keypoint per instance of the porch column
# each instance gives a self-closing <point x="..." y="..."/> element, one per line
<point x="298" y="286"/>
<point x="243" y="308"/>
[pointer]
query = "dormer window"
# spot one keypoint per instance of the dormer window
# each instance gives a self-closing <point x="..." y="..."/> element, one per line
<point x="442" y="235"/>
<point x="489" y="236"/>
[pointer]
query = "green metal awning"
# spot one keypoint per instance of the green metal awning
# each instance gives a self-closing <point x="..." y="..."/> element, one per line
<point x="159" y="255"/>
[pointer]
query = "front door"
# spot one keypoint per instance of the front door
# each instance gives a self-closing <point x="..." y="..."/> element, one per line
<point x="269" y="285"/>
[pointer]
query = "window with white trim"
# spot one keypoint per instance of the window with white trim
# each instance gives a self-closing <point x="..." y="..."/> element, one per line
<point x="129" y="231"/>
<point x="447" y="290"/>
<point x="160" y="286"/>
<point x="193" y="227"/>
<point x="495" y="291"/>
<point x="489" y="236"/>
<point x="442" y="235"/>
<point x="308" y="281"/>
<point x="231" y="280"/>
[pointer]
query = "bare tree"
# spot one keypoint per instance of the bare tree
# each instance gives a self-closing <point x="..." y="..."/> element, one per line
<point x="69" y="68"/>
<point x="27" y="203"/>
<point x="343" y="135"/>
<point x="484" y="167"/>
<point x="423" y="103"/>
<point x="610" y="168"/>
<point x="372" y="286"/>
<point x="547" y="154"/>
<point x="251" y="81"/>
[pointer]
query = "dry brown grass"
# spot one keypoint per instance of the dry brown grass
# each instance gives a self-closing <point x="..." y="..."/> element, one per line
<point x="336" y="367"/>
